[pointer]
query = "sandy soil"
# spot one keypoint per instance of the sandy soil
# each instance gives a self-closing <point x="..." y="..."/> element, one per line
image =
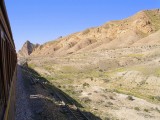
<point x="103" y="80"/>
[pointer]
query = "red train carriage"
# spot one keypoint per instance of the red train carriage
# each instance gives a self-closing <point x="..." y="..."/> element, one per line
<point x="8" y="62"/>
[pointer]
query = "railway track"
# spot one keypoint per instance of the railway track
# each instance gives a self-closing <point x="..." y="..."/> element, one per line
<point x="68" y="107"/>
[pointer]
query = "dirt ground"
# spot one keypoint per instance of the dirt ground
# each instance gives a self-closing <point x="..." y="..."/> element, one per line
<point x="31" y="100"/>
<point x="121" y="83"/>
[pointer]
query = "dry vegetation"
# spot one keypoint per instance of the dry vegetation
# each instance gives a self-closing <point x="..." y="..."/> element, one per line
<point x="115" y="84"/>
<point x="112" y="70"/>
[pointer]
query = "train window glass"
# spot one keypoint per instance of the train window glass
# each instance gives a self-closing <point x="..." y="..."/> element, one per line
<point x="2" y="88"/>
<point x="2" y="98"/>
<point x="2" y="34"/>
<point x="5" y="68"/>
<point x="7" y="63"/>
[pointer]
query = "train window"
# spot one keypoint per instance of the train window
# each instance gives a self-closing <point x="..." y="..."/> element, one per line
<point x="5" y="68"/>
<point x="2" y="34"/>
<point x="2" y="96"/>
<point x="7" y="64"/>
<point x="2" y="87"/>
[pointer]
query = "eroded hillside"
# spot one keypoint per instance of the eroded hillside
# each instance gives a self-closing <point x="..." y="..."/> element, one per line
<point x="114" y="84"/>
<point x="113" y="70"/>
<point x="114" y="34"/>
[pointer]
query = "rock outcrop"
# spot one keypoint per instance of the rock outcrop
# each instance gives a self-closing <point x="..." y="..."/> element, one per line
<point x="27" y="49"/>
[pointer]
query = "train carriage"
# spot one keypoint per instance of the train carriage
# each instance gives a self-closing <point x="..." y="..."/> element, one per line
<point x="8" y="62"/>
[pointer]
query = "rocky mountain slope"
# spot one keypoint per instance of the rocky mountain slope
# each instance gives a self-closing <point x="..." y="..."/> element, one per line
<point x="116" y="84"/>
<point x="27" y="49"/>
<point x="136" y="30"/>
<point x="113" y="70"/>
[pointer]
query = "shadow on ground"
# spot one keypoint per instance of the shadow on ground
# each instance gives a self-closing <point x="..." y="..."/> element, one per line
<point x="52" y="90"/>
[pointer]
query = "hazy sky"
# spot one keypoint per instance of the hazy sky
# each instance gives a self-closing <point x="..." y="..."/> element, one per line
<point x="43" y="20"/>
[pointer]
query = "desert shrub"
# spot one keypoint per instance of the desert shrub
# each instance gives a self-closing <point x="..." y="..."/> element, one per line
<point x="85" y="32"/>
<point x="151" y="97"/>
<point x="142" y="82"/>
<point x="95" y="91"/>
<point x="104" y="96"/>
<point x="105" y="90"/>
<point x="69" y="69"/>
<point x="106" y="118"/>
<point x="137" y="108"/>
<point x="146" y="110"/>
<point x="157" y="98"/>
<point x="157" y="110"/>
<point x="109" y="103"/>
<point x="73" y="92"/>
<point x="106" y="80"/>
<point x="111" y="97"/>
<point x="130" y="98"/>
<point x="157" y="72"/>
<point x="32" y="65"/>
<point x="85" y="85"/>
<point x="80" y="91"/>
<point x="86" y="100"/>
<point x="100" y="102"/>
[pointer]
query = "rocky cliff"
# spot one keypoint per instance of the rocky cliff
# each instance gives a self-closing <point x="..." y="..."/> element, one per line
<point x="27" y="49"/>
